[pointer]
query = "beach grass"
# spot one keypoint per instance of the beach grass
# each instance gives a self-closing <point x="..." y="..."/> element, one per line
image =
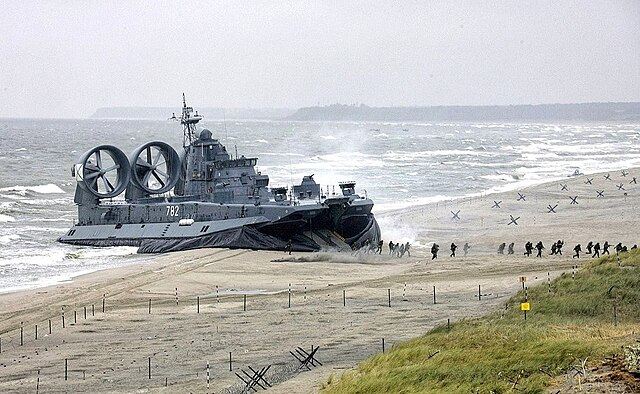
<point x="500" y="353"/>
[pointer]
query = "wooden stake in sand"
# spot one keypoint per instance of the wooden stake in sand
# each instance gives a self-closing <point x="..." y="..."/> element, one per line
<point x="198" y="304"/>
<point x="434" y="295"/>
<point x="207" y="376"/>
<point x="344" y="298"/>
<point x="36" y="332"/>
<point x="49" y="326"/>
<point x="244" y="302"/>
<point x="230" y="363"/>
<point x="479" y="294"/>
<point x="21" y="333"/>
<point x="382" y="345"/>
<point x="149" y="305"/>
<point x="289" y="295"/>
<point x="389" y="297"/>
<point x="65" y="369"/>
<point x="176" y="296"/>
<point x="149" y="367"/>
<point x="217" y="294"/>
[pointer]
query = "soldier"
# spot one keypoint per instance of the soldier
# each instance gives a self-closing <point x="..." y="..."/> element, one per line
<point x="434" y="251"/>
<point x="391" y="245"/>
<point x="401" y="250"/>
<point x="539" y="246"/>
<point x="605" y="247"/>
<point x="453" y="250"/>
<point x="466" y="248"/>
<point x="528" y="248"/>
<point x="379" y="248"/>
<point x="635" y="246"/>
<point x="510" y="248"/>
<point x="619" y="248"/>
<point x="554" y="248"/>
<point x="287" y="247"/>
<point x="559" y="246"/>
<point x="596" y="250"/>
<point x="406" y="249"/>
<point x="577" y="249"/>
<point x="501" y="248"/>
<point x="589" y="246"/>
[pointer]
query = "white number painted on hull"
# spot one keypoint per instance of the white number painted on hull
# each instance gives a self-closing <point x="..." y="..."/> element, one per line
<point x="172" y="210"/>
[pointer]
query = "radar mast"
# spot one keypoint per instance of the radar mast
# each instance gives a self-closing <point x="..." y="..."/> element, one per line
<point x="188" y="122"/>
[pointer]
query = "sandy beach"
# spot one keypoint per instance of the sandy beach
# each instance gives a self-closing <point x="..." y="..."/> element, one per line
<point x="183" y="310"/>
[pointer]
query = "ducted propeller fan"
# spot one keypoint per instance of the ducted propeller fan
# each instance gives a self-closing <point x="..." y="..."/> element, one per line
<point x="103" y="171"/>
<point x="155" y="167"/>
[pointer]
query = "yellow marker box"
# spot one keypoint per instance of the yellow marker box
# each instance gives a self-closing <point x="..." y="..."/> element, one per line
<point x="524" y="306"/>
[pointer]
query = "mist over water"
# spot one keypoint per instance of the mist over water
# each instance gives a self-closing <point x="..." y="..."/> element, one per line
<point x="396" y="164"/>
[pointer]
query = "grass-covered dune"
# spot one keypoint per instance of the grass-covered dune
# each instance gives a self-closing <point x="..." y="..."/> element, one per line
<point x="570" y="334"/>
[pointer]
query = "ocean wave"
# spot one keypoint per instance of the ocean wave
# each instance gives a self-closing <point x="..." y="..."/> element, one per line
<point x="7" y="239"/>
<point x="48" y="188"/>
<point x="6" y="218"/>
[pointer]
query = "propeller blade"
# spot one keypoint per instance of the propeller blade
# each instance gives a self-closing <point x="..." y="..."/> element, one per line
<point x="115" y="167"/>
<point x="158" y="179"/>
<point x="158" y="156"/>
<point x="98" y="159"/>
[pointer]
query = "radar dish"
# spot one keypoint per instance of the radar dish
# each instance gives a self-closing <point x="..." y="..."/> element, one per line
<point x="155" y="167"/>
<point x="104" y="171"/>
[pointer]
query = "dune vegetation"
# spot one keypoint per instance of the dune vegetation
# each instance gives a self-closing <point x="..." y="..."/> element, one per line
<point x="579" y="324"/>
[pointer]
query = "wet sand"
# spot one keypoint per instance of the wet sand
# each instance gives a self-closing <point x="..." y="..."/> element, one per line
<point x="110" y="351"/>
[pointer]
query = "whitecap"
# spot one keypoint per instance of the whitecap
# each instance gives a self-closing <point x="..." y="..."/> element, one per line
<point x="6" y="218"/>
<point x="49" y="188"/>
<point x="327" y="137"/>
<point x="7" y="239"/>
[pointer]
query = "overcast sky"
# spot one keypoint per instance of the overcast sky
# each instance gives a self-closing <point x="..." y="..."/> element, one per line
<point x="66" y="58"/>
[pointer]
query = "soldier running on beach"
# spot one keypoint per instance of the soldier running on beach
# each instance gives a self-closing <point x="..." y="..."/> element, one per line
<point x="453" y="250"/>
<point x="379" y="248"/>
<point x="287" y="247"/>
<point x="554" y="249"/>
<point x="589" y="246"/>
<point x="539" y="246"/>
<point x="466" y="248"/>
<point x="596" y="250"/>
<point x="605" y="247"/>
<point x="619" y="248"/>
<point x="434" y="251"/>
<point x="528" y="248"/>
<point x="577" y="249"/>
<point x="510" y="248"/>
<point x="391" y="245"/>
<point x="559" y="246"/>
<point x="406" y="249"/>
<point x="501" y="248"/>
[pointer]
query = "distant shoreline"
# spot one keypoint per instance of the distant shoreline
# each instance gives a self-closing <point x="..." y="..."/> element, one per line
<point x="621" y="111"/>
